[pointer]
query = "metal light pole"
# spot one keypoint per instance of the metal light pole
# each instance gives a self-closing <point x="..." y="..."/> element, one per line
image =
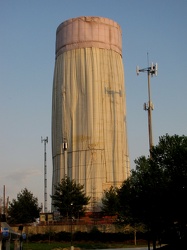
<point x="65" y="148"/>
<point x="152" y="70"/>
<point x="72" y="247"/>
<point x="45" y="173"/>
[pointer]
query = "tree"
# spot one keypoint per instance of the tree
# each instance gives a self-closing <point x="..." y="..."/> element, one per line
<point x="171" y="155"/>
<point x="110" y="202"/>
<point x="141" y="197"/>
<point x="25" y="209"/>
<point x="155" y="192"/>
<point x="69" y="198"/>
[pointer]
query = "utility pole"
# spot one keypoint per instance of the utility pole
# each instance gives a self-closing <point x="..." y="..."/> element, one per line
<point x="152" y="70"/>
<point x="45" y="173"/>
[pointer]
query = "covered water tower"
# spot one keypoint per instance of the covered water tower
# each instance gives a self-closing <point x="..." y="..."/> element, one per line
<point x="89" y="134"/>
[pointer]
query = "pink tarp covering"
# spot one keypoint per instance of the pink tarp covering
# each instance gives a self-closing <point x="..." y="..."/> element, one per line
<point x="86" y="32"/>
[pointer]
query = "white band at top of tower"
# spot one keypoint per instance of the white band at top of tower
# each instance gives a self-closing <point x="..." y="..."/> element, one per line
<point x="87" y="32"/>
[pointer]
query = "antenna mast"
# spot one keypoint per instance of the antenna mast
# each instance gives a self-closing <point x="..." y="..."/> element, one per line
<point x="152" y="70"/>
<point x="45" y="173"/>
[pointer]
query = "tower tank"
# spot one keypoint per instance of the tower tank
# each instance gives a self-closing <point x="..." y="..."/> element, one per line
<point x="89" y="134"/>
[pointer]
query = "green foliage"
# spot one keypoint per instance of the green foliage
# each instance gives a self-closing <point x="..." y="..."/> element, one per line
<point x="69" y="198"/>
<point x="110" y="201"/>
<point x="25" y="209"/>
<point x="154" y="195"/>
<point x="86" y="240"/>
<point x="170" y="155"/>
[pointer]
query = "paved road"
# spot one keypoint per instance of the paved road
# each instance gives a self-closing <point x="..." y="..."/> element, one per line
<point x="132" y="248"/>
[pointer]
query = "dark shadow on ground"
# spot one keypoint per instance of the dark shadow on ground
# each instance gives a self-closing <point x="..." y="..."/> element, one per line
<point x="181" y="245"/>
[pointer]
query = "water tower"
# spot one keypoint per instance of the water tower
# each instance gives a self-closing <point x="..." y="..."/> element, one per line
<point x="89" y="135"/>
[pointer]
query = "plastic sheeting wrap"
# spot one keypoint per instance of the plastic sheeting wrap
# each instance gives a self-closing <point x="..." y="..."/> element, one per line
<point x="88" y="110"/>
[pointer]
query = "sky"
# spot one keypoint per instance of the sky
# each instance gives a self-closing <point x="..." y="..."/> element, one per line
<point x="152" y="31"/>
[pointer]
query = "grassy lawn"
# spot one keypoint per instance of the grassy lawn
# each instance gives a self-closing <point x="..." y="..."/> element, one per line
<point x="41" y="246"/>
<point x="60" y="245"/>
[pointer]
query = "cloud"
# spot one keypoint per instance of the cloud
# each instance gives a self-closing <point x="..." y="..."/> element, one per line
<point x="17" y="180"/>
<point x="22" y="176"/>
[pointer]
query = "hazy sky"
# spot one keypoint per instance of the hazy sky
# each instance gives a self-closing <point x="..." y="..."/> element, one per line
<point x="27" y="59"/>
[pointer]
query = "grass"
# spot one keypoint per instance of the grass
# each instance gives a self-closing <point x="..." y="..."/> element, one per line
<point x="41" y="245"/>
<point x="61" y="245"/>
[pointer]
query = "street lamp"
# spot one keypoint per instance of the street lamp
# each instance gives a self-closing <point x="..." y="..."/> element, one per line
<point x="65" y="148"/>
<point x="152" y="70"/>
<point x="72" y="247"/>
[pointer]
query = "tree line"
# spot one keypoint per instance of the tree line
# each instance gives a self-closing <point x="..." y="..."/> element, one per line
<point x="153" y="196"/>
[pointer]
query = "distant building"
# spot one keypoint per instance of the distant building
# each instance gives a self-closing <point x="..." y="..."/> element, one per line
<point x="89" y="134"/>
